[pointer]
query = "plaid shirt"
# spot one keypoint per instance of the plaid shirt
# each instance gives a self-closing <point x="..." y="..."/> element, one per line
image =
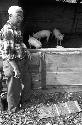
<point x="11" y="42"/>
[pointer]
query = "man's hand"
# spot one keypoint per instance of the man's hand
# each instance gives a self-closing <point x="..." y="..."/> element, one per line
<point x="17" y="73"/>
<point x="15" y="69"/>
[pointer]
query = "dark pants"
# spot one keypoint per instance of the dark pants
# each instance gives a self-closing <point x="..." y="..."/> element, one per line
<point x="25" y="79"/>
<point x="14" y="88"/>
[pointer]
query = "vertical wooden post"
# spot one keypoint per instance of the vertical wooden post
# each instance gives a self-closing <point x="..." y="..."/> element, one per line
<point x="43" y="71"/>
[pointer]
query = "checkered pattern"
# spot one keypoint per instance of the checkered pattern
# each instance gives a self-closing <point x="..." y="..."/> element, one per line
<point x="11" y="42"/>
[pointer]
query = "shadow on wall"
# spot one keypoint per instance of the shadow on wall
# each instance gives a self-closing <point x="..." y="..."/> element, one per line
<point x="73" y="41"/>
<point x="3" y="18"/>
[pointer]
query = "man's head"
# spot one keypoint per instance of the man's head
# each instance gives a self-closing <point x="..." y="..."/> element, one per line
<point x="15" y="15"/>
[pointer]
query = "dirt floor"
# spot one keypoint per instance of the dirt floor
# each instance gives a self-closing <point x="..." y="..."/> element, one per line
<point x="29" y="115"/>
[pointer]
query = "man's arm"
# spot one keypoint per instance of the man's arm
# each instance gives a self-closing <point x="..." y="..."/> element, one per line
<point x="15" y="67"/>
<point x="25" y="47"/>
<point x="9" y="37"/>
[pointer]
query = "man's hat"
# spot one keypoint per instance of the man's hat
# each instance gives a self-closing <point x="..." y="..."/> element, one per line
<point x="14" y="9"/>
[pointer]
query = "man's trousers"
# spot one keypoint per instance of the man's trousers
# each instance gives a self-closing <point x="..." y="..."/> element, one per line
<point x="14" y="85"/>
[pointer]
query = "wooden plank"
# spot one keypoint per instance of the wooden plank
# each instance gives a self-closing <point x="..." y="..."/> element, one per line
<point x="64" y="78"/>
<point x="61" y="63"/>
<point x="35" y="59"/>
<point x="63" y="69"/>
<point x="38" y="70"/>
<point x="43" y="71"/>
<point x="36" y="81"/>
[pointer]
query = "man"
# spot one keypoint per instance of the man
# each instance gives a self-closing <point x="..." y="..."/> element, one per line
<point x="15" y="56"/>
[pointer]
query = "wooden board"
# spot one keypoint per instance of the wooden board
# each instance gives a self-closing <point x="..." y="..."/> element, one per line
<point x="63" y="69"/>
<point x="37" y="70"/>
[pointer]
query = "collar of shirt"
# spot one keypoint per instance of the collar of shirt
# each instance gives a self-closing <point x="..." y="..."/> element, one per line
<point x="14" y="26"/>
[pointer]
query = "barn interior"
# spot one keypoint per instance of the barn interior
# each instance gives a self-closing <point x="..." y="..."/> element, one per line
<point x="48" y="15"/>
<point x="66" y="17"/>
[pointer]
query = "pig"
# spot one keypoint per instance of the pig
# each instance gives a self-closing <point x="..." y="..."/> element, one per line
<point x="58" y="35"/>
<point x="34" y="42"/>
<point x="42" y="34"/>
